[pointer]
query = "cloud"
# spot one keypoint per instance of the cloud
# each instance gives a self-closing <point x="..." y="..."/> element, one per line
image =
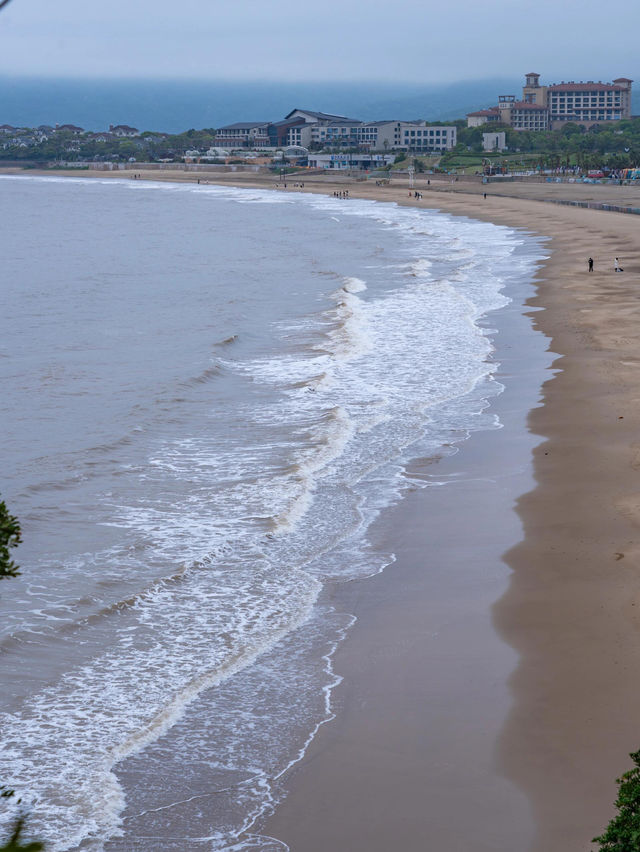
<point x="336" y="40"/>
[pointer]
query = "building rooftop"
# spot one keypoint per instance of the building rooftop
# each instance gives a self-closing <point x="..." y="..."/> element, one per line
<point x="490" y="111"/>
<point x="526" y="105"/>
<point x="322" y="116"/>
<point x="244" y="125"/>
<point x="584" y="87"/>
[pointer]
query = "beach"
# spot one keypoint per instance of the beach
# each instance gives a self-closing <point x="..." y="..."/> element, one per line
<point x="570" y="609"/>
<point x="571" y="606"/>
<point x="489" y="685"/>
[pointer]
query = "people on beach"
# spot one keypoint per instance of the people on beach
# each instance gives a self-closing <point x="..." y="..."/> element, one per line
<point x="590" y="262"/>
<point x="616" y="265"/>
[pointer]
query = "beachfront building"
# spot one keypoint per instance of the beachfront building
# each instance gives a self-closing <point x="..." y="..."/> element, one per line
<point x="243" y="134"/>
<point x="340" y="162"/>
<point x="416" y="136"/>
<point x="310" y="129"/>
<point x="550" y="107"/>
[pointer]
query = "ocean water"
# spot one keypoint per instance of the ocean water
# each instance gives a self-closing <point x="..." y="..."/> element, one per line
<point x="209" y="395"/>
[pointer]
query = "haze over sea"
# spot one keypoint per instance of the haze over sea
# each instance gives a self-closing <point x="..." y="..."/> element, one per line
<point x="210" y="395"/>
<point x="173" y="106"/>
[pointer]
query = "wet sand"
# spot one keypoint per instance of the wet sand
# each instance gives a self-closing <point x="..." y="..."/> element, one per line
<point x="490" y="692"/>
<point x="393" y="771"/>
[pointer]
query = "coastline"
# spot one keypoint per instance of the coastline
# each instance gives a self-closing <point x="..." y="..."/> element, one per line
<point x="571" y="610"/>
<point x="572" y="606"/>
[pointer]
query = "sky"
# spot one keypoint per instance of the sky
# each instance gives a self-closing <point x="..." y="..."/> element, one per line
<point x="420" y="41"/>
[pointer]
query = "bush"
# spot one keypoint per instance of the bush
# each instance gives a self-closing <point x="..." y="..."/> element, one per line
<point x="623" y="832"/>
<point x="9" y="537"/>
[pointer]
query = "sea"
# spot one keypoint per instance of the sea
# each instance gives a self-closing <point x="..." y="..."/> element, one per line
<point x="209" y="395"/>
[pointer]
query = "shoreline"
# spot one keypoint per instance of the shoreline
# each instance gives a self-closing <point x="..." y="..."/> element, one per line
<point x="408" y="762"/>
<point x="571" y="609"/>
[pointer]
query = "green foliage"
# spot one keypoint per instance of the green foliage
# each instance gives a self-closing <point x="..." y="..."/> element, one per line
<point x="14" y="843"/>
<point x="9" y="537"/>
<point x="611" y="144"/>
<point x="400" y="157"/>
<point x="623" y="832"/>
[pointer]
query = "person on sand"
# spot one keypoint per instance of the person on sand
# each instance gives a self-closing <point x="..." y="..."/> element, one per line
<point x="590" y="261"/>
<point x="616" y="265"/>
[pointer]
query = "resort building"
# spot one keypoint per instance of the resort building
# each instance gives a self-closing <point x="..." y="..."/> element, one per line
<point x="306" y="128"/>
<point x="243" y="134"/>
<point x="483" y="116"/>
<point x="550" y="107"/>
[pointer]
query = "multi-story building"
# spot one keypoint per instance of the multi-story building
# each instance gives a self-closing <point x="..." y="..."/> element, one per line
<point x="522" y="115"/>
<point x="243" y="134"/>
<point x="585" y="103"/>
<point x="322" y="130"/>
<point x="550" y="107"/>
<point x="416" y="136"/>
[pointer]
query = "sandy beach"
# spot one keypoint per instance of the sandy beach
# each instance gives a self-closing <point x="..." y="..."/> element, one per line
<point x="489" y="702"/>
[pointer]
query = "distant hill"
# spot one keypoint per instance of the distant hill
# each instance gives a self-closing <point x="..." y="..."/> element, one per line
<point x="174" y="106"/>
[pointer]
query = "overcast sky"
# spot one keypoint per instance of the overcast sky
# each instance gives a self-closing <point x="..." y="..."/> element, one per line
<point x="395" y="40"/>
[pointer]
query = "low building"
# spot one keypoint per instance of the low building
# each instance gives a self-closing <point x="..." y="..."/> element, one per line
<point x="342" y="162"/>
<point x="69" y="128"/>
<point x="483" y="116"/>
<point x="496" y="141"/>
<point x="122" y="130"/>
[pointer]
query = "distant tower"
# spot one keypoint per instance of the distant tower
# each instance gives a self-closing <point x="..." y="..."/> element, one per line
<point x="532" y="91"/>
<point x="624" y="84"/>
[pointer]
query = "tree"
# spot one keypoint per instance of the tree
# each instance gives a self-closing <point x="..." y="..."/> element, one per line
<point x="623" y="832"/>
<point x="9" y="537"/>
<point x="14" y="843"/>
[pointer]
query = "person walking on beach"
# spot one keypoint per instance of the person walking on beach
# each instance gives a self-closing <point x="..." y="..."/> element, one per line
<point x="616" y="265"/>
<point x="590" y="264"/>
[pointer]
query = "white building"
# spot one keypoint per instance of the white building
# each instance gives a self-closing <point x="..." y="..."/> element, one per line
<point x="350" y="161"/>
<point x="416" y="136"/>
<point x="496" y="141"/>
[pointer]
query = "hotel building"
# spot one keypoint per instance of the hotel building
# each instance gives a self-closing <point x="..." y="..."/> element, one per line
<point x="550" y="107"/>
<point x="306" y="128"/>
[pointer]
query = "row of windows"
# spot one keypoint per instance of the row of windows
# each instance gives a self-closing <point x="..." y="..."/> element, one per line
<point x="583" y="94"/>
<point x="586" y="101"/>
<point x="426" y="133"/>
